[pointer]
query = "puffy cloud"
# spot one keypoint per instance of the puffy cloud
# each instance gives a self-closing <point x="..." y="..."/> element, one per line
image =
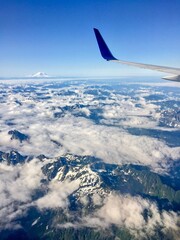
<point x="19" y="181"/>
<point x="28" y="113"/>
<point x="35" y="117"/>
<point x="113" y="145"/>
<point x="17" y="185"/>
<point x="128" y="211"/>
<point x="57" y="194"/>
<point x="141" y="217"/>
<point x="97" y="200"/>
<point x="132" y="111"/>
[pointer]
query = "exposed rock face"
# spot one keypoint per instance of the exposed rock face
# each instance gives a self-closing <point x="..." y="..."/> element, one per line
<point x="18" y="135"/>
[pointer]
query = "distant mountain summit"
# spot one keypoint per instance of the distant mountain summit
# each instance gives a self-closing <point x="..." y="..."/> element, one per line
<point x="40" y="74"/>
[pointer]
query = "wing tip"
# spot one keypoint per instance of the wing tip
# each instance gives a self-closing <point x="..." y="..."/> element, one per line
<point x="104" y="50"/>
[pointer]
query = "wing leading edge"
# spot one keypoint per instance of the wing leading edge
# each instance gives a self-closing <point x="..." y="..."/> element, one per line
<point x="106" y="54"/>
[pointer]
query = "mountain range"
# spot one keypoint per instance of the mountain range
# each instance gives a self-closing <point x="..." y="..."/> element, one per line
<point x="97" y="180"/>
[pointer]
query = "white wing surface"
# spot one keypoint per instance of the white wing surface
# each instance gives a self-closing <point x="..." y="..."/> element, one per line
<point x="106" y="54"/>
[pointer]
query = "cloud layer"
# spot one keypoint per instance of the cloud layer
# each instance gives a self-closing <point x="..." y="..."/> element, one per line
<point x="75" y="130"/>
<point x="84" y="120"/>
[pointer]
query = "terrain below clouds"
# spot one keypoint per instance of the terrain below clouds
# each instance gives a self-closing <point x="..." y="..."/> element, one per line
<point x="69" y="149"/>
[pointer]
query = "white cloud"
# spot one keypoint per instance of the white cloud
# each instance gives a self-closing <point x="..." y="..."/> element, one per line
<point x="128" y="212"/>
<point x="97" y="200"/>
<point x="113" y="145"/>
<point x="81" y="136"/>
<point x="17" y="185"/>
<point x="132" y="111"/>
<point x="57" y="194"/>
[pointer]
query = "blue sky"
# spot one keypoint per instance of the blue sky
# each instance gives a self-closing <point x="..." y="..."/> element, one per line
<point x="56" y="36"/>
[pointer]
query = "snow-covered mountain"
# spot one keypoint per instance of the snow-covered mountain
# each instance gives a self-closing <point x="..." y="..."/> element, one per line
<point x="88" y="182"/>
<point x="40" y="74"/>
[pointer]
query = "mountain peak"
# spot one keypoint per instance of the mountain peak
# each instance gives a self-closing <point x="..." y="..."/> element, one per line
<point x="40" y="74"/>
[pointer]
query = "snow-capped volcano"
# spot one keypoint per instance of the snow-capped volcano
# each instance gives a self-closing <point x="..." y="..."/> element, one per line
<point x="40" y="74"/>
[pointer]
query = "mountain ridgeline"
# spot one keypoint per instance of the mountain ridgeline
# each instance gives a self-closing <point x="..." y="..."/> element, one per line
<point x="95" y="177"/>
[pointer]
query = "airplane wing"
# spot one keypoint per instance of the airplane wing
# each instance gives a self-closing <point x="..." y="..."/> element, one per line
<point x="106" y="54"/>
